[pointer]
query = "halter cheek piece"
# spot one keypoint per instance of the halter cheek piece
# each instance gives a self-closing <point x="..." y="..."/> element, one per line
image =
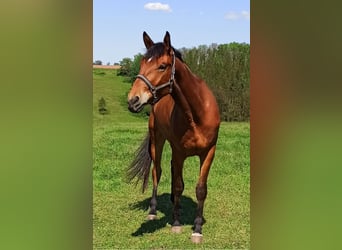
<point x="154" y="89"/>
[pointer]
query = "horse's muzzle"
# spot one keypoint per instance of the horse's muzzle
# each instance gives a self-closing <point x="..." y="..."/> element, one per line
<point x="134" y="105"/>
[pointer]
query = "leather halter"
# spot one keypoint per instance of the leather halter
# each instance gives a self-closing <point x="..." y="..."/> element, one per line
<point x="154" y="89"/>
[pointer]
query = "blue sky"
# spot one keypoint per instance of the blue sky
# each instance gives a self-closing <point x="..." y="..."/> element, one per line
<point x="118" y="24"/>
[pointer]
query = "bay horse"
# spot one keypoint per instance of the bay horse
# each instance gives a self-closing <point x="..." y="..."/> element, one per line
<point x="185" y="113"/>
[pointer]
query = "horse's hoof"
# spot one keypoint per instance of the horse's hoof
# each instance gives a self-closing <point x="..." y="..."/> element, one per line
<point x="151" y="217"/>
<point x="176" y="229"/>
<point x="196" y="238"/>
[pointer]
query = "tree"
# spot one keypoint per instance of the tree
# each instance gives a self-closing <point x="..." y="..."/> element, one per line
<point x="135" y="67"/>
<point x="98" y="62"/>
<point x="130" y="68"/>
<point x="102" y="106"/>
<point x="126" y="65"/>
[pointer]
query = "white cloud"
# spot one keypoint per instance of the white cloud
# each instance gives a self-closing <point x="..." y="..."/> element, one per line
<point x="245" y="14"/>
<point x="158" y="6"/>
<point x="233" y="15"/>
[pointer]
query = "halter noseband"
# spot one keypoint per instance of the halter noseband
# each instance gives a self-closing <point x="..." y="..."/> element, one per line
<point x="154" y="89"/>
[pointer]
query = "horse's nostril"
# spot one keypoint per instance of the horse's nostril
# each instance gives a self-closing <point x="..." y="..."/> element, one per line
<point x="134" y="105"/>
<point x="133" y="100"/>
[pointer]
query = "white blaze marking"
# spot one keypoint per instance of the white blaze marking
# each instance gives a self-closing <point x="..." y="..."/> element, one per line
<point x="144" y="97"/>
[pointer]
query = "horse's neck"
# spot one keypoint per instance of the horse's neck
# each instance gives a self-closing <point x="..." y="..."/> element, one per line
<point x="182" y="101"/>
<point x="185" y="96"/>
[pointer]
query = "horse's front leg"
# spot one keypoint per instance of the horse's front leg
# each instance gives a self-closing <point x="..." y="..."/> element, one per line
<point x="176" y="189"/>
<point x="156" y="173"/>
<point x="156" y="148"/>
<point x="201" y="193"/>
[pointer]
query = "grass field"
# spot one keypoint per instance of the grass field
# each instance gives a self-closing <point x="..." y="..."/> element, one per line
<point x="120" y="209"/>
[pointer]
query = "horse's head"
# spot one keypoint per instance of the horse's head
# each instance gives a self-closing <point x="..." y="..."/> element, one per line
<point x="156" y="75"/>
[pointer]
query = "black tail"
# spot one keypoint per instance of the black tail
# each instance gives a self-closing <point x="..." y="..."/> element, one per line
<point x="140" y="167"/>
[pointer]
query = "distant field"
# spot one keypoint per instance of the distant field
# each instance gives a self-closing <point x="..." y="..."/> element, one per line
<point x="120" y="209"/>
<point x="106" y="66"/>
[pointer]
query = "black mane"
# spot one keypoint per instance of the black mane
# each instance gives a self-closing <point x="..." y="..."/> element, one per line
<point x="157" y="50"/>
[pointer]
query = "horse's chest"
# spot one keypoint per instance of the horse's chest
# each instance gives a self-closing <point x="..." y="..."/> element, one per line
<point x="193" y="140"/>
<point x="187" y="141"/>
<point x="172" y="124"/>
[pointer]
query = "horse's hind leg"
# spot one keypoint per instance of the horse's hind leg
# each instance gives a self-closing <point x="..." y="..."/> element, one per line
<point x="157" y="143"/>
<point x="176" y="189"/>
<point x="201" y="193"/>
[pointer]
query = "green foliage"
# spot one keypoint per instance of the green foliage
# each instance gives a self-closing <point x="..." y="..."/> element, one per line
<point x="126" y="67"/>
<point x="120" y="209"/>
<point x="97" y="62"/>
<point x="129" y="68"/>
<point x="135" y="67"/>
<point x="226" y="70"/>
<point x="102" y="106"/>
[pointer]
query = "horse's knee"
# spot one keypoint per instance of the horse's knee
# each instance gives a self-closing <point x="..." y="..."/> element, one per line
<point x="177" y="185"/>
<point x="177" y="190"/>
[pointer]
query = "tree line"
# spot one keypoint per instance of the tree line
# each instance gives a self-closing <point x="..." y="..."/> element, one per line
<point x="224" y="67"/>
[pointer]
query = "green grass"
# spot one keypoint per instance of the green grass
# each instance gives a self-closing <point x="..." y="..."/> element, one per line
<point x="120" y="209"/>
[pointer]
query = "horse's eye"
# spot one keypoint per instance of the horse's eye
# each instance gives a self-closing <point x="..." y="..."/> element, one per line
<point x="162" y="67"/>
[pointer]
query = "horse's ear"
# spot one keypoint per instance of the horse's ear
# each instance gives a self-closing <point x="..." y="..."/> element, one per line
<point x="147" y="40"/>
<point x="167" y="40"/>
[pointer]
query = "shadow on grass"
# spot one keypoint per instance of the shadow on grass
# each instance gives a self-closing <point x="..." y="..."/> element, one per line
<point x="164" y="206"/>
